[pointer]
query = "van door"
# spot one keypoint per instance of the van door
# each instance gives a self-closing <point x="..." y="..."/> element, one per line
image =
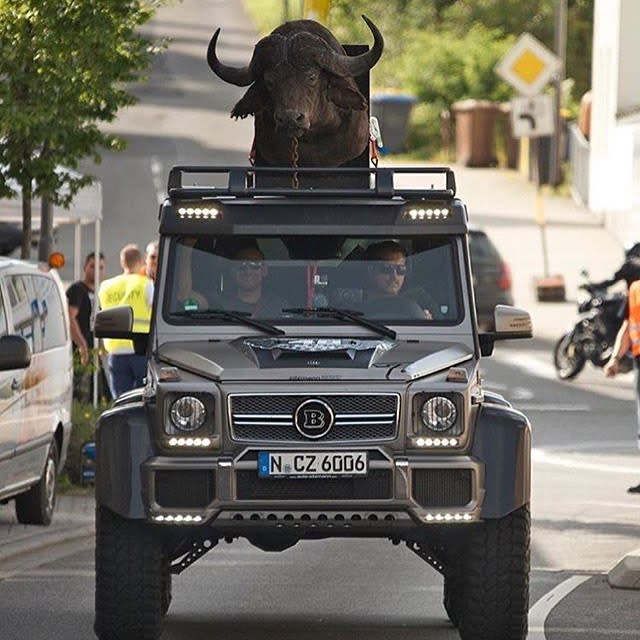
<point x="31" y="448"/>
<point x="11" y="398"/>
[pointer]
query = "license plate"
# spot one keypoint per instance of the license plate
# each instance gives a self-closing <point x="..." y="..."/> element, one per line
<point x="309" y="465"/>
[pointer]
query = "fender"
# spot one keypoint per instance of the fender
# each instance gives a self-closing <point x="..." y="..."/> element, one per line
<point x="123" y="443"/>
<point x="502" y="441"/>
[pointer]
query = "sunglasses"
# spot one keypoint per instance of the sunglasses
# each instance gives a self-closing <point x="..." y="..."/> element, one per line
<point x="252" y="265"/>
<point x="391" y="269"/>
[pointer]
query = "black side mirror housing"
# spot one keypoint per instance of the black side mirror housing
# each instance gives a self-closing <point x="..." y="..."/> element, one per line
<point x="117" y="323"/>
<point x="15" y="353"/>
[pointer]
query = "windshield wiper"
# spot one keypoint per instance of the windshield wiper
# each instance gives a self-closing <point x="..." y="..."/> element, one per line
<point x="231" y="316"/>
<point x="356" y="317"/>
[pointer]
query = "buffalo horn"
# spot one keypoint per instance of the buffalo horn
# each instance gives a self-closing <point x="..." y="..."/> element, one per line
<point x="240" y="76"/>
<point x="357" y="65"/>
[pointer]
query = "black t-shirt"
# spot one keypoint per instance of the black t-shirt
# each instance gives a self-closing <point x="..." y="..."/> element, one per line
<point x="81" y="297"/>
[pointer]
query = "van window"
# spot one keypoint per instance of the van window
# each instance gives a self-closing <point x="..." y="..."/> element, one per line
<point x="52" y="324"/>
<point x="3" y="317"/>
<point x="24" y="308"/>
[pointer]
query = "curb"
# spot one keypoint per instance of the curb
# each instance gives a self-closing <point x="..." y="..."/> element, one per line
<point x="15" y="549"/>
<point x="626" y="574"/>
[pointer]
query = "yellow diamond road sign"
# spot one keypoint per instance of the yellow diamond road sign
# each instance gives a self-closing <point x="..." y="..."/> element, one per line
<point x="528" y="66"/>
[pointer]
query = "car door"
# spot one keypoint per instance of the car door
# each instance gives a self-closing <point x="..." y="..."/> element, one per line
<point x="29" y="458"/>
<point x="11" y="399"/>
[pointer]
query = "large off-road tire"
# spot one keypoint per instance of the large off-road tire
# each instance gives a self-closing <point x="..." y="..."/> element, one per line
<point x="131" y="585"/>
<point x="496" y="579"/>
<point x="37" y="505"/>
<point x="166" y="591"/>
<point x="568" y="358"/>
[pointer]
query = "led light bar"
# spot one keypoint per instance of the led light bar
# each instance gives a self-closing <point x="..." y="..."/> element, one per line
<point x="178" y="518"/>
<point x="437" y="442"/>
<point x="421" y="214"/>
<point x="198" y="213"/>
<point x="448" y="517"/>
<point x="190" y="442"/>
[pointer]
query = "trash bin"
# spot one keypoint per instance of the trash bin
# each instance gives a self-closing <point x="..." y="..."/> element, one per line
<point x="393" y="111"/>
<point x="511" y="144"/>
<point x="475" y="132"/>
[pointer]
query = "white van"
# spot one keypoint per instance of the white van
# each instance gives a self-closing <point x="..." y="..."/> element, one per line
<point x="36" y="382"/>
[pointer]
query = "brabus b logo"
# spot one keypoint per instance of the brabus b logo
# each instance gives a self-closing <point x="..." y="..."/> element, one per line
<point x="313" y="418"/>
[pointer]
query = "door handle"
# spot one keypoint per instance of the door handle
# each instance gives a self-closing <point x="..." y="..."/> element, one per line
<point x="15" y="384"/>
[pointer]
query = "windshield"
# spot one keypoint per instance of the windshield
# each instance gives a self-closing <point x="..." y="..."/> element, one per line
<point x="405" y="281"/>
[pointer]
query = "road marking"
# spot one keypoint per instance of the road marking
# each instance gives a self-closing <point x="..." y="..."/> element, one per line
<point x="541" y="609"/>
<point x="157" y="171"/>
<point x="553" y="407"/>
<point x="544" y="457"/>
<point x="528" y="363"/>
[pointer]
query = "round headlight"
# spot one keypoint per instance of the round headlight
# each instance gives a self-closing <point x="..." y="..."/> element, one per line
<point x="188" y="413"/>
<point x="439" y="414"/>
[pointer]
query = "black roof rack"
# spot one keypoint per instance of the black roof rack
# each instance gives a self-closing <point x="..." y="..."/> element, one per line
<point x="254" y="181"/>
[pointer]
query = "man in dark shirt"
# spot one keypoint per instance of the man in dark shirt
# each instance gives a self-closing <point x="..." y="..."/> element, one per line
<point x="81" y="298"/>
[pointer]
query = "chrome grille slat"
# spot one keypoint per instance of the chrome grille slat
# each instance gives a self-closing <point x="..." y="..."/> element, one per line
<point x="270" y="417"/>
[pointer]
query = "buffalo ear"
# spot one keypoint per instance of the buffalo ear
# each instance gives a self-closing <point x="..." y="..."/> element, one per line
<point x="251" y="101"/>
<point x="346" y="95"/>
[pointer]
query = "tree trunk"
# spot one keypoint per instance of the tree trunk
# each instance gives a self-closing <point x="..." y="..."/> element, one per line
<point x="46" y="230"/>
<point x="25" y="252"/>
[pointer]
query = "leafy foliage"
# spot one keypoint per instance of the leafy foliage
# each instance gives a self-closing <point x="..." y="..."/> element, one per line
<point x="63" y="65"/>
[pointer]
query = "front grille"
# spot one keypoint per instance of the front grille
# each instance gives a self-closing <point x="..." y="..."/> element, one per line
<point x="357" y="417"/>
<point x="442" y="487"/>
<point x="376" y="485"/>
<point x="184" y="489"/>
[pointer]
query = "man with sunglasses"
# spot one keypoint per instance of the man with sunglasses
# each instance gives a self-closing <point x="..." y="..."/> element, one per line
<point x="386" y="276"/>
<point x="249" y="270"/>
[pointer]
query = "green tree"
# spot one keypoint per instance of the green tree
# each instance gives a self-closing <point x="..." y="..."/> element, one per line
<point x="63" y="69"/>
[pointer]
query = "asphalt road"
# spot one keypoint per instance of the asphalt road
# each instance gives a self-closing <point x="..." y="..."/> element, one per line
<point x="583" y="436"/>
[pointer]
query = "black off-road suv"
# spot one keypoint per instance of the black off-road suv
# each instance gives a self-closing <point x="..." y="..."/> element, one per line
<point x="313" y="373"/>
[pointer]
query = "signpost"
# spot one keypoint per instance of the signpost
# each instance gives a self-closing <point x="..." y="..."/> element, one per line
<point x="529" y="66"/>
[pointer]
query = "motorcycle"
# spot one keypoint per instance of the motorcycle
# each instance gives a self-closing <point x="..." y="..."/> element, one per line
<point x="593" y="336"/>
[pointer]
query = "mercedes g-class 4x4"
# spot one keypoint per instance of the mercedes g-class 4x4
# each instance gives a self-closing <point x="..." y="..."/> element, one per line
<point x="313" y="373"/>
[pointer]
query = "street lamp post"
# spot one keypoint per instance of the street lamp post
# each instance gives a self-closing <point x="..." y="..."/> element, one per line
<point x="560" y="46"/>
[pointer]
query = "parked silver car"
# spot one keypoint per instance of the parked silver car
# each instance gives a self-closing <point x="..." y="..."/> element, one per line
<point x="36" y="379"/>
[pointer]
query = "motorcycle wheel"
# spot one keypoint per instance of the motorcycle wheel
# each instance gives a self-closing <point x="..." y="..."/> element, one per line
<point x="568" y="358"/>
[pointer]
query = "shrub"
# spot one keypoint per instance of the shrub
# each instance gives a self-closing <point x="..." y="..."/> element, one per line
<point x="83" y="418"/>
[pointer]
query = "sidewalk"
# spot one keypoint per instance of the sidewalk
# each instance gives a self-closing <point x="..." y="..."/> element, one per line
<point x="73" y="519"/>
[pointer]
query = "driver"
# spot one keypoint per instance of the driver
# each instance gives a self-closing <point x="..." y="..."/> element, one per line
<point x="248" y="270"/>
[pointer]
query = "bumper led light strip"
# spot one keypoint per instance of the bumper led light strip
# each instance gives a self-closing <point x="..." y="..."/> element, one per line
<point x="178" y="518"/>
<point x="428" y="214"/>
<point x="190" y="442"/>
<point x="448" y="517"/>
<point x="437" y="442"/>
<point x="198" y="213"/>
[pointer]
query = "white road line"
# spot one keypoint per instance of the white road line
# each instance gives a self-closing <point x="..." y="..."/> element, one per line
<point x="580" y="408"/>
<point x="529" y="364"/>
<point x="541" y="609"/>
<point x="544" y="457"/>
<point x="157" y="171"/>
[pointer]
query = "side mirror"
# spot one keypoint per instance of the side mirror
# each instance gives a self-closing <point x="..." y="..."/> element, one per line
<point x="117" y="323"/>
<point x="14" y="353"/>
<point x="511" y="324"/>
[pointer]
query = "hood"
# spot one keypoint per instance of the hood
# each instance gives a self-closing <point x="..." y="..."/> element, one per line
<point x="268" y="359"/>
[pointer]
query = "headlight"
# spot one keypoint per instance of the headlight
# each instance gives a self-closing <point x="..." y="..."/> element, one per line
<point x="188" y="413"/>
<point x="439" y="413"/>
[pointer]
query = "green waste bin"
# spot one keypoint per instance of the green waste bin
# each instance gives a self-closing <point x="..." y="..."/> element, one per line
<point x="393" y="111"/>
<point x="475" y="132"/>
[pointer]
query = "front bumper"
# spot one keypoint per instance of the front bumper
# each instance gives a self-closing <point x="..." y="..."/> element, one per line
<point x="227" y="493"/>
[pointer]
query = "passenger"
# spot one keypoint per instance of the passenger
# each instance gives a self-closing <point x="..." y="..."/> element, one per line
<point x="248" y="273"/>
<point x="385" y="279"/>
<point x="126" y="368"/>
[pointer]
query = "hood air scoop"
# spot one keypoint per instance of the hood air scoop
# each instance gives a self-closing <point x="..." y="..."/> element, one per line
<point x="317" y="352"/>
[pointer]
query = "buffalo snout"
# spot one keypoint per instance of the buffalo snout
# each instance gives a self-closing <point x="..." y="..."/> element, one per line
<point x="293" y="123"/>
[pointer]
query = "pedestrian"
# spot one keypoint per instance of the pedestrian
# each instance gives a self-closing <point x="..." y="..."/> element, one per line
<point x="127" y="369"/>
<point x="81" y="302"/>
<point x="151" y="260"/>
<point x="629" y="338"/>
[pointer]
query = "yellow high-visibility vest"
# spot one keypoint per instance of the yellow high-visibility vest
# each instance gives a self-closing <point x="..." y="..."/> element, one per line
<point x="128" y="289"/>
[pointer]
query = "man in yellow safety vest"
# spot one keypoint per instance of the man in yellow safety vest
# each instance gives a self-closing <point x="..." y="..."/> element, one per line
<point x="126" y="369"/>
